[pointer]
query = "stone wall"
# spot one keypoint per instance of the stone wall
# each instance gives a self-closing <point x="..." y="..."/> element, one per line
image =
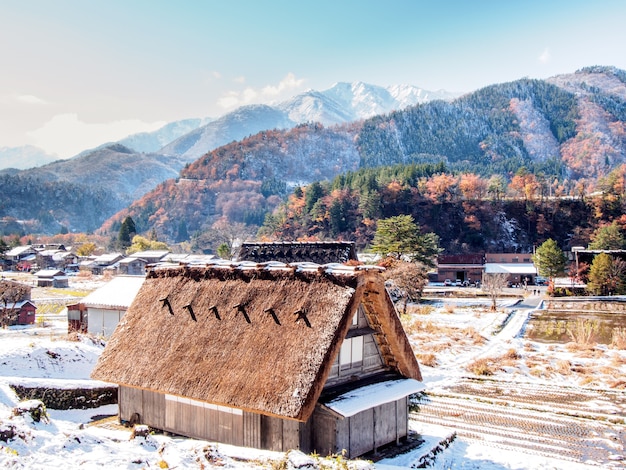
<point x="68" y="399"/>
<point x="605" y="305"/>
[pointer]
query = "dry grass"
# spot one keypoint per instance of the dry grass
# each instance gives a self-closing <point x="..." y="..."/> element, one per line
<point x="438" y="347"/>
<point x="420" y="309"/>
<point x="583" y="332"/>
<point x="618" y="338"/>
<point x="427" y="359"/>
<point x="563" y="367"/>
<point x="608" y="370"/>
<point x="483" y="366"/>
<point x="448" y="308"/>
<point x="618" y="360"/>
<point x="512" y="354"/>
<point x="474" y="335"/>
<point x="538" y="371"/>
<point x="586" y="380"/>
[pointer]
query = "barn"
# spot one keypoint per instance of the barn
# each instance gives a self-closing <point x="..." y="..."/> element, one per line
<point x="270" y="355"/>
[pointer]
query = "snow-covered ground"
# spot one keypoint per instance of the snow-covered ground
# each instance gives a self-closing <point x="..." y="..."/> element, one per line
<point x="448" y="335"/>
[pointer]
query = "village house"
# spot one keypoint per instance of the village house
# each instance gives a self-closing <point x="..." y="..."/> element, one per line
<point x="468" y="268"/>
<point x="16" y="305"/>
<point x="20" y="258"/>
<point x="518" y="267"/>
<point x="132" y="266"/>
<point x="100" y="312"/>
<point x="51" y="278"/>
<point x="271" y="356"/>
<point x="22" y="312"/>
<point x="102" y="263"/>
<point x="465" y="267"/>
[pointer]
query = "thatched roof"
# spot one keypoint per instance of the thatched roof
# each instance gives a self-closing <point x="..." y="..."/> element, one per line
<point x="258" y="338"/>
<point x="294" y="252"/>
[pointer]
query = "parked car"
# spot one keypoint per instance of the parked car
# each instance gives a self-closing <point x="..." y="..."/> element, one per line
<point x="447" y="282"/>
<point x="459" y="283"/>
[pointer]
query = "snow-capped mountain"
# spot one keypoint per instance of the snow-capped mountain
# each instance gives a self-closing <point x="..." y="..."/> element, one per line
<point x="242" y="122"/>
<point x="153" y="141"/>
<point x="343" y="102"/>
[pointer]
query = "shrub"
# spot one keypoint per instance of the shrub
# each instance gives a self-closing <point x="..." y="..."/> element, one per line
<point x="564" y="367"/>
<point x="618" y="338"/>
<point x="427" y="359"/>
<point x="583" y="332"/>
<point x="481" y="366"/>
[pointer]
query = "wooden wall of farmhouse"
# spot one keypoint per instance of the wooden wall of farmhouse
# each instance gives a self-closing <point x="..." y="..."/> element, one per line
<point x="361" y="433"/>
<point x="210" y="422"/>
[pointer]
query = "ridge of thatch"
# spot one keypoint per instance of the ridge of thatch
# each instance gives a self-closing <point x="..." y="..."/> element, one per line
<point x="248" y="337"/>
<point x="320" y="252"/>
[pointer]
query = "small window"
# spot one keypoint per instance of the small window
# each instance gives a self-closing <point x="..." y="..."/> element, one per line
<point x="351" y="353"/>
<point x="355" y="319"/>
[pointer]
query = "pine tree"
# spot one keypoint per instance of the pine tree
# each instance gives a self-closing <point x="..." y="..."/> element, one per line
<point x="549" y="259"/>
<point x="126" y="233"/>
<point x="400" y="237"/>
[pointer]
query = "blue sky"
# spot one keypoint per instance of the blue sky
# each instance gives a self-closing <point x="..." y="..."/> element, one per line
<point x="78" y="73"/>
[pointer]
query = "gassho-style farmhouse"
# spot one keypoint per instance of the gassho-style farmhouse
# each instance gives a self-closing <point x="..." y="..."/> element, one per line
<point x="271" y="355"/>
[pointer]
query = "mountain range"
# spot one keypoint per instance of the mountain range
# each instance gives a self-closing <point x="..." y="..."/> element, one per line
<point x="237" y="167"/>
<point x="136" y="164"/>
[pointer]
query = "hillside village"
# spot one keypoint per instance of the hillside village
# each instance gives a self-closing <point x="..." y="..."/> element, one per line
<point x="423" y="288"/>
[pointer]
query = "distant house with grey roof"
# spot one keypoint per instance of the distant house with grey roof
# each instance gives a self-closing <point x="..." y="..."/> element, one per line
<point x="100" y="312"/>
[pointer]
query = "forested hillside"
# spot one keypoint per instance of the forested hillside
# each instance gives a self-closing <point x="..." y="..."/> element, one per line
<point x="538" y="142"/>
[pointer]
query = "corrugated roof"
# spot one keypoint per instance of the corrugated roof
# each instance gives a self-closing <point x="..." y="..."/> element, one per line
<point x="261" y="338"/>
<point x="511" y="268"/>
<point x="117" y="293"/>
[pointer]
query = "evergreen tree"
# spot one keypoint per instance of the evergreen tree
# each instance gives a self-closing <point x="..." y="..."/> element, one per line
<point x="549" y="259"/>
<point x="312" y="194"/>
<point x="599" y="274"/>
<point x="126" y="233"/>
<point x="400" y="237"/>
<point x="608" y="237"/>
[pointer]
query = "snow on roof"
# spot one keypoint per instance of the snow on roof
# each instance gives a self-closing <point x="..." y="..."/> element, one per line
<point x="511" y="268"/>
<point x="369" y="396"/>
<point x="49" y="273"/>
<point x="18" y="250"/>
<point x="149" y="254"/>
<point x="108" y="258"/>
<point x="119" y="292"/>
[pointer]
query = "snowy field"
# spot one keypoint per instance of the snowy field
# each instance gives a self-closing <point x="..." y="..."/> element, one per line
<point x="459" y="344"/>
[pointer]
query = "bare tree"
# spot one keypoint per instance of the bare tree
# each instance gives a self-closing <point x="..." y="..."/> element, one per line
<point x="493" y="284"/>
<point x="10" y="294"/>
<point x="409" y="279"/>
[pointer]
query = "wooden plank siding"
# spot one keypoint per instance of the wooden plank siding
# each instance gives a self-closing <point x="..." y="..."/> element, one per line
<point x="371" y="363"/>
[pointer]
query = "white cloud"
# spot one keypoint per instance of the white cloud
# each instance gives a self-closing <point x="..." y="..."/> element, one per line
<point x="241" y="79"/>
<point x="283" y="89"/>
<point x="545" y="56"/>
<point x="216" y="75"/>
<point x="288" y="83"/>
<point x="30" y="99"/>
<point x="66" y="135"/>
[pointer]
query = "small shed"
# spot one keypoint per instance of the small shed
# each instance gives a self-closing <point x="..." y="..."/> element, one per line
<point x="105" y="306"/>
<point x="52" y="278"/>
<point x="271" y="356"/>
<point x="22" y="312"/>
